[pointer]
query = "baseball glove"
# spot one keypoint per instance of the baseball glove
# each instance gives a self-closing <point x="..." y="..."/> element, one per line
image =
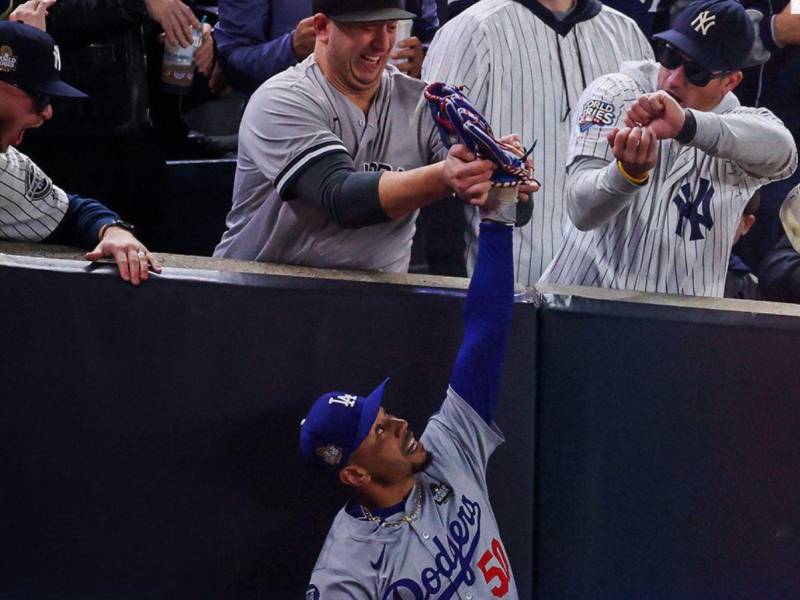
<point x="458" y="121"/>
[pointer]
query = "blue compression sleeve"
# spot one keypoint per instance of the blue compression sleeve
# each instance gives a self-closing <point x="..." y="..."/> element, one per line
<point x="81" y="225"/>
<point x="487" y="319"/>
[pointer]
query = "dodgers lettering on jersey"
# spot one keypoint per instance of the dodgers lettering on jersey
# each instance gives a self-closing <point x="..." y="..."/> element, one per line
<point x="508" y="60"/>
<point x="676" y="232"/>
<point x="298" y="117"/>
<point x="452" y="549"/>
<point x="31" y="207"/>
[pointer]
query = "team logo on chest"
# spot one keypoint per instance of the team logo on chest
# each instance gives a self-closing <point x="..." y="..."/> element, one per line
<point x="596" y="112"/>
<point x="695" y="208"/>
<point x="441" y="493"/>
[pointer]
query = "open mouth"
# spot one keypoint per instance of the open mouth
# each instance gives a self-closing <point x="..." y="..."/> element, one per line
<point x="370" y="59"/>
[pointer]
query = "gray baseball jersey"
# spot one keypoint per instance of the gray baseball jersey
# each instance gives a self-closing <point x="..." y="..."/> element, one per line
<point x="297" y="117"/>
<point x="675" y="233"/>
<point x="526" y="78"/>
<point x="31" y="207"/>
<point x="452" y="550"/>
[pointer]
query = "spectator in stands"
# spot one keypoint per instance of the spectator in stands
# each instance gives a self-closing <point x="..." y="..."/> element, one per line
<point x="524" y="64"/>
<point x="659" y="177"/>
<point x="110" y="49"/>
<point x="740" y="282"/>
<point x="257" y="39"/>
<point x="779" y="274"/>
<point x="337" y="154"/>
<point x="32" y="208"/>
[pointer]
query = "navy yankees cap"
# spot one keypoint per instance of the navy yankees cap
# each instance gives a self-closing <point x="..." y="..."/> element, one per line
<point x="363" y="11"/>
<point x="716" y="34"/>
<point x="336" y="425"/>
<point x="30" y="59"/>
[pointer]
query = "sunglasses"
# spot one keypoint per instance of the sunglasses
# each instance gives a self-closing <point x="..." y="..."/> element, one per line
<point x="40" y="100"/>
<point x="671" y="58"/>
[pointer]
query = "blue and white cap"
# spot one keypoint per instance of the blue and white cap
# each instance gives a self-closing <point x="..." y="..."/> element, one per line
<point x="716" y="34"/>
<point x="336" y="425"/>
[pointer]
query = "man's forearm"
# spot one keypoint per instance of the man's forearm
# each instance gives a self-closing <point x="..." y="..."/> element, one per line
<point x="596" y="192"/>
<point x="758" y="142"/>
<point x="247" y="67"/>
<point x="403" y="192"/>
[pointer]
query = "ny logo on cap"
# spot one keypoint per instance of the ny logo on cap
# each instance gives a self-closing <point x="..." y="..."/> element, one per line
<point x="345" y="400"/>
<point x="703" y="22"/>
<point x="56" y="58"/>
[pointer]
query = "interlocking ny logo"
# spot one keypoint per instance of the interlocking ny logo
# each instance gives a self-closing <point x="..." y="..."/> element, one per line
<point x="696" y="210"/>
<point x="704" y="21"/>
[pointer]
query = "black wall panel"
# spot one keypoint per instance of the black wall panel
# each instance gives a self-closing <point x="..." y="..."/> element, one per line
<point x="668" y="454"/>
<point x="148" y="437"/>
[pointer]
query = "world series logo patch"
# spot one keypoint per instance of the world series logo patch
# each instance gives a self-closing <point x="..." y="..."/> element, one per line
<point x="8" y="62"/>
<point x="596" y="112"/>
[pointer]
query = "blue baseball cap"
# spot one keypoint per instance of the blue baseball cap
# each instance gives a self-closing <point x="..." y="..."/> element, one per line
<point x="336" y="425"/>
<point x="716" y="34"/>
<point x="30" y="59"/>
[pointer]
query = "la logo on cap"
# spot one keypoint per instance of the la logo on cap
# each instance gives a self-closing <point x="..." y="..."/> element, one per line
<point x="704" y="21"/>
<point x="8" y="62"/>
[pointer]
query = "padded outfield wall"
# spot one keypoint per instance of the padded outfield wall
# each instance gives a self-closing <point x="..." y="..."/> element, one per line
<point x="148" y="437"/>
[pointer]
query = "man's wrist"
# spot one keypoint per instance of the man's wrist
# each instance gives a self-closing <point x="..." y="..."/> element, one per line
<point x="634" y="178"/>
<point x="689" y="129"/>
<point x="115" y="223"/>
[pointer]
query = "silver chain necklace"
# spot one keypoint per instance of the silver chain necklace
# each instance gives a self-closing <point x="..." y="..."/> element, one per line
<point x="407" y="517"/>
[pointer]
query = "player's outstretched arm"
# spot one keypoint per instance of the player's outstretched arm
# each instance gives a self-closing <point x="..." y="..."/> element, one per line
<point x="487" y="319"/>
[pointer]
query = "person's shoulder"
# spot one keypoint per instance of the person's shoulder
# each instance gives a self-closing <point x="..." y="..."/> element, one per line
<point x="289" y="91"/>
<point x="609" y="15"/>
<point x="478" y="15"/>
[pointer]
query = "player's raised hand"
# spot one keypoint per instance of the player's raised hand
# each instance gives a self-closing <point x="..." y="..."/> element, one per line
<point x="131" y="256"/>
<point x="659" y="111"/>
<point x="467" y="176"/>
<point x="411" y="50"/>
<point x="635" y="148"/>
<point x="525" y="189"/>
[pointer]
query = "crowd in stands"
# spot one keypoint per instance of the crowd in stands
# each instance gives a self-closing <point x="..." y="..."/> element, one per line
<point x="664" y="134"/>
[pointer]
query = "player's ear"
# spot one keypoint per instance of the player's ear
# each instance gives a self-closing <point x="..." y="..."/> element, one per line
<point x="732" y="81"/>
<point x="745" y="225"/>
<point x="322" y="27"/>
<point x="354" y="476"/>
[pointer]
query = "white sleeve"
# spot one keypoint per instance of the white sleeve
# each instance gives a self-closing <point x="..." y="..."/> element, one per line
<point x="752" y="138"/>
<point x="31" y="207"/>
<point x="283" y="130"/>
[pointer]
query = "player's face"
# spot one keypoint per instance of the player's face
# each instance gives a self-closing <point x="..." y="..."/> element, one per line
<point x="676" y="83"/>
<point x="19" y="112"/>
<point x="358" y="52"/>
<point x="391" y="452"/>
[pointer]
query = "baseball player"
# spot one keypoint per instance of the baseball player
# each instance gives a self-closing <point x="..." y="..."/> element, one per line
<point x="524" y="64"/>
<point x="419" y="524"/>
<point x="663" y="160"/>
<point x="337" y="153"/>
<point x="32" y="209"/>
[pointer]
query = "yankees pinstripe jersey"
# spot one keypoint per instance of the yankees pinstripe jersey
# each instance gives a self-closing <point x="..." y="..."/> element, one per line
<point x="451" y="550"/>
<point x="675" y="233"/>
<point x="524" y="70"/>
<point x="297" y="117"/>
<point x="31" y="207"/>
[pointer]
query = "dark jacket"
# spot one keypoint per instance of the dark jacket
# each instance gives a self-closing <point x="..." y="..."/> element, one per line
<point x="779" y="274"/>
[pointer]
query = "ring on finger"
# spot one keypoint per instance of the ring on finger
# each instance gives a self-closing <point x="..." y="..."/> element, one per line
<point x="141" y="254"/>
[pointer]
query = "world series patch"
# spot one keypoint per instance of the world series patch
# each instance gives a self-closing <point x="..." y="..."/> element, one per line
<point x="596" y="112"/>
